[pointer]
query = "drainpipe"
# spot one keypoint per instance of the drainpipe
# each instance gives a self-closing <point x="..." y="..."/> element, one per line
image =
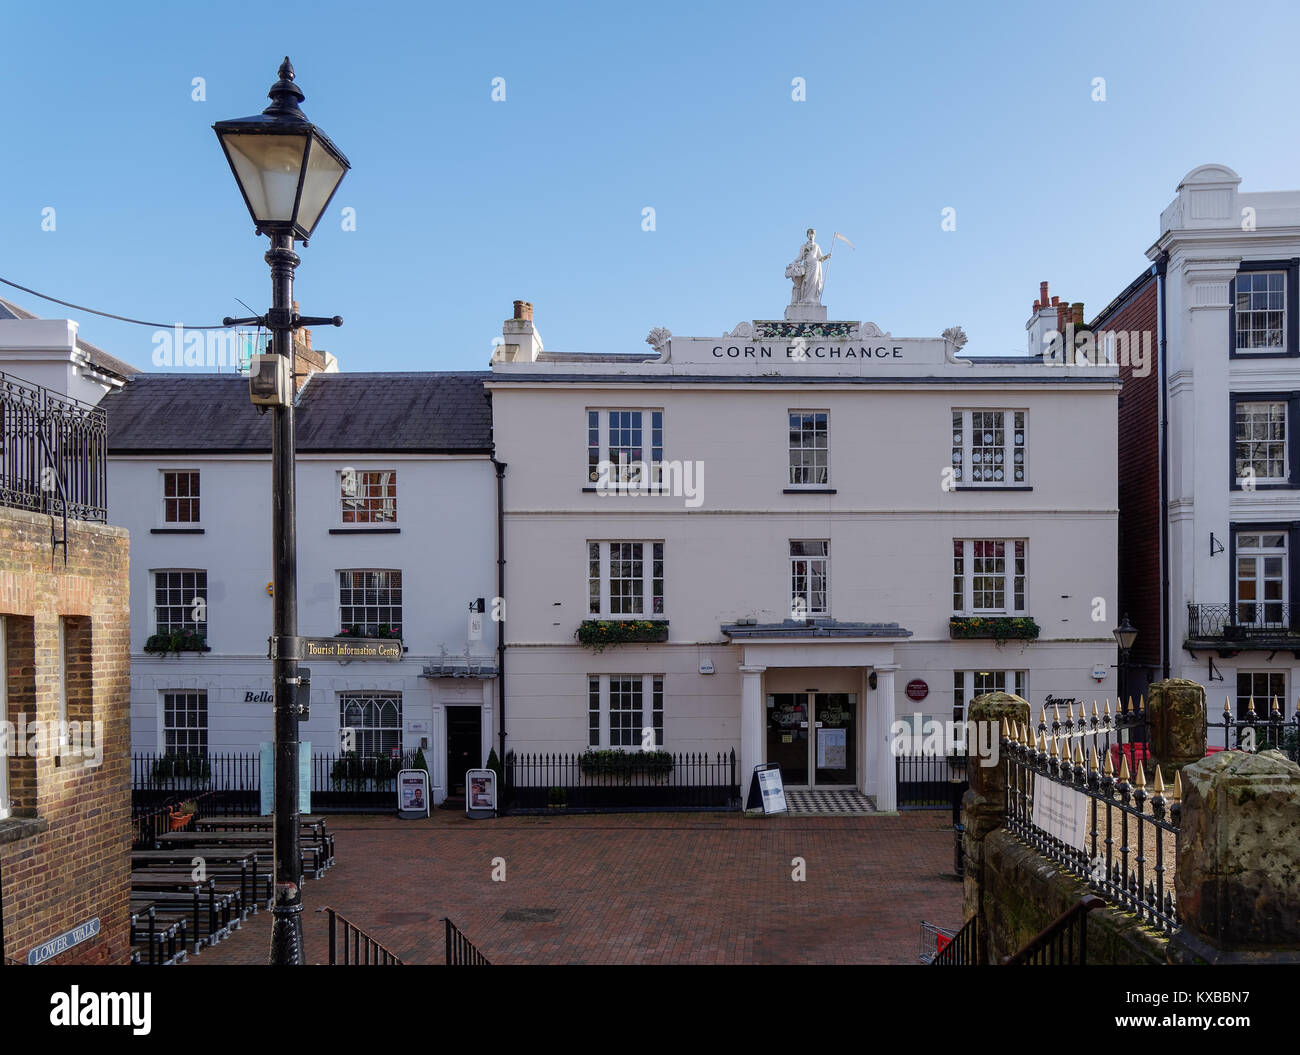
<point x="501" y="612"/>
<point x="1161" y="266"/>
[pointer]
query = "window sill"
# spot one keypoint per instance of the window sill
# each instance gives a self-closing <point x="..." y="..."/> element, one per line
<point x="809" y="491"/>
<point x="366" y="531"/>
<point x="993" y="487"/>
<point x="14" y="828"/>
<point x="1265" y="485"/>
<point x="176" y="531"/>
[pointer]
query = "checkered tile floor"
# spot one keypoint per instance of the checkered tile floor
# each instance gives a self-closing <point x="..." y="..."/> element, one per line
<point x="840" y="803"/>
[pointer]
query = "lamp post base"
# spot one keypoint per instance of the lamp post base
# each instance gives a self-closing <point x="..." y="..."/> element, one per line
<point x="286" y="935"/>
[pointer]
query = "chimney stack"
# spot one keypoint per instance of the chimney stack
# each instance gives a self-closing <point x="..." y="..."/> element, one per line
<point x="520" y="341"/>
<point x="1077" y="309"/>
<point x="1041" y="302"/>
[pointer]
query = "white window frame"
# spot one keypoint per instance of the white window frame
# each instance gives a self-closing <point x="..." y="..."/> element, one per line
<point x="801" y="607"/>
<point x="1259" y="554"/>
<point x="792" y="469"/>
<point x="382" y="699"/>
<point x="1263" y="707"/>
<point x="600" y="716"/>
<point x="398" y="623"/>
<point x="963" y="694"/>
<point x="357" y="480"/>
<point x="596" y="430"/>
<point x="1252" y="442"/>
<point x="964" y="569"/>
<point x="196" y="498"/>
<point x="205" y="727"/>
<point x="964" y="452"/>
<point x="1238" y="293"/>
<point x="200" y="625"/>
<point x="652" y="553"/>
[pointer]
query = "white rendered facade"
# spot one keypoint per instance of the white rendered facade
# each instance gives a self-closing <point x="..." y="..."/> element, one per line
<point x="437" y="535"/>
<point x="878" y="502"/>
<point x="1232" y="382"/>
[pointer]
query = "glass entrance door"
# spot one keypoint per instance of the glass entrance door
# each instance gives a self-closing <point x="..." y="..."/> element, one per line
<point x="813" y="737"/>
<point x="787" y="735"/>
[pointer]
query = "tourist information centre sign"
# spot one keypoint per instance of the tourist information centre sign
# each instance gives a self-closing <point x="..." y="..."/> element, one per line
<point x="349" y="648"/>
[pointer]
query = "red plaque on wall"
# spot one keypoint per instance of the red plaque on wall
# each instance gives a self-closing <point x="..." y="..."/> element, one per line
<point x="917" y="690"/>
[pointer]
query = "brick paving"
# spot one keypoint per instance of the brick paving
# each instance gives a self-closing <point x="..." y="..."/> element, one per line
<point x="633" y="888"/>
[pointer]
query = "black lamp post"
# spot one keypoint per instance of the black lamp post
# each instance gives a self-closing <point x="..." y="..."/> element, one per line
<point x="1125" y="635"/>
<point x="287" y="171"/>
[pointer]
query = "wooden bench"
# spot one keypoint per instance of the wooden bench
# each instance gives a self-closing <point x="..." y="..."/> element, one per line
<point x="203" y="843"/>
<point x="165" y="939"/>
<point x="254" y="889"/>
<point x="216" y="911"/>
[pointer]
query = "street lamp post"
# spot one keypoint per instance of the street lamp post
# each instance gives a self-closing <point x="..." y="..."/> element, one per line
<point x="1125" y="635"/>
<point x="287" y="171"/>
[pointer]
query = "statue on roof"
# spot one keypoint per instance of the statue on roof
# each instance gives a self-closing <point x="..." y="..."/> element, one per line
<point x="805" y="271"/>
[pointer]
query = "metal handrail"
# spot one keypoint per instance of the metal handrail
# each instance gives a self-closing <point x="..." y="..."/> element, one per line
<point x="461" y="952"/>
<point x="1058" y="937"/>
<point x="359" y="948"/>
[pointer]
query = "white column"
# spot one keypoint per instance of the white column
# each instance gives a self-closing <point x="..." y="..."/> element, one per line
<point x="887" y="772"/>
<point x="751" y="723"/>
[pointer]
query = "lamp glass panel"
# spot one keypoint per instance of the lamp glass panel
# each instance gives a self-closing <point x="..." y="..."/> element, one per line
<point x="323" y="175"/>
<point x="267" y="167"/>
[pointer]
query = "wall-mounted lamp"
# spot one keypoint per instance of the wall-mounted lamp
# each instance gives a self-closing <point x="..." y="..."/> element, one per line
<point x="871" y="679"/>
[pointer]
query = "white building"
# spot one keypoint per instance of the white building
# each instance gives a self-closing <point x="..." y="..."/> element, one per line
<point x="396" y="499"/>
<point x="832" y="497"/>
<point x="1210" y="443"/>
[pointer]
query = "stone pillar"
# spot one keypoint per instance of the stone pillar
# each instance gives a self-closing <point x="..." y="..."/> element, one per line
<point x="1175" y="724"/>
<point x="984" y="807"/>
<point x="887" y="775"/>
<point x="1237" y="881"/>
<point x="752" y="724"/>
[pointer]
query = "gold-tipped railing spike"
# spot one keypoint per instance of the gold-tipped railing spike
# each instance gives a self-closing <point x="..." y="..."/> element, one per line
<point x="1109" y="767"/>
<point x="1042" y="716"/>
<point x="1250" y="705"/>
<point x="1053" y="751"/>
<point x="1108" y="708"/>
<point x="1142" y="702"/>
<point x="1092" y="762"/>
<point x="1123" y="766"/>
<point x="1094" y="710"/>
<point x="1227" y="707"/>
<point x="1178" y="785"/>
<point x="1069" y="712"/>
<point x="1276" y="709"/>
<point x="1140" y="775"/>
<point x="1158" y="786"/>
<point x="1006" y="732"/>
<point x="1078" y="753"/>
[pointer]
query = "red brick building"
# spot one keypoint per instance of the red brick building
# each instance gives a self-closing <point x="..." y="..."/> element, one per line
<point x="65" y="799"/>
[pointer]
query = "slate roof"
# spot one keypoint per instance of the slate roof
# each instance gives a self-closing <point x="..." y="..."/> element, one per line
<point x="98" y="357"/>
<point x="428" y="413"/>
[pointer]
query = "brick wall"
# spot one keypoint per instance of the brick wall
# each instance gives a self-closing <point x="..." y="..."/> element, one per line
<point x="1139" y="477"/>
<point x="65" y="853"/>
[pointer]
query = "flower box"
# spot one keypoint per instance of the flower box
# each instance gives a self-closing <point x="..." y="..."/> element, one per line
<point x="599" y="634"/>
<point x="177" y="641"/>
<point x="998" y="627"/>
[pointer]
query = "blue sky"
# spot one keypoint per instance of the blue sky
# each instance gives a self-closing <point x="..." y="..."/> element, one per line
<point x="464" y="204"/>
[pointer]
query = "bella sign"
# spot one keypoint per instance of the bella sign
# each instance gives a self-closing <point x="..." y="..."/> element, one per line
<point x="350" y="648"/>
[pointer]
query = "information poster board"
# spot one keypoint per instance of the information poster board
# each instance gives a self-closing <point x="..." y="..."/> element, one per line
<point x="1062" y="812"/>
<point x="832" y="748"/>
<point x="267" y="760"/>
<point x="767" y="789"/>
<point x="413" y="792"/>
<point x="480" y="792"/>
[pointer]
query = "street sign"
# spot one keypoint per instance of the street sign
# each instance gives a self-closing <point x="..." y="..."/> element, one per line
<point x="766" y="787"/>
<point x="63" y="942"/>
<point x="349" y="648"/>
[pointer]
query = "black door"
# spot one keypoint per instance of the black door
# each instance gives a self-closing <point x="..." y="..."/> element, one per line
<point x="464" y="747"/>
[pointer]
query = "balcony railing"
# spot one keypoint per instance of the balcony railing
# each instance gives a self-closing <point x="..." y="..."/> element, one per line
<point x="1257" y="622"/>
<point x="53" y="452"/>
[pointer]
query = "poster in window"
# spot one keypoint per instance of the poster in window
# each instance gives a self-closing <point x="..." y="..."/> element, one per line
<point x="832" y="748"/>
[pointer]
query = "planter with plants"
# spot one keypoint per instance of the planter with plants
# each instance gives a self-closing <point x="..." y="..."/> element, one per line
<point x="194" y="769"/>
<point x="999" y="627"/>
<point x="176" y="641"/>
<point x="626" y="764"/>
<point x="599" y="634"/>
<point x="354" y="770"/>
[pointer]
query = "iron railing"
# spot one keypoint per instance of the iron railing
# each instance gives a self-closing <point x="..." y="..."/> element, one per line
<point x="1063" y="941"/>
<point x="231" y="783"/>
<point x="1248" y="621"/>
<point x="926" y="782"/>
<point x="1125" y="823"/>
<point x="53" y="452"/>
<point x="461" y="952"/>
<point x="350" y="946"/>
<point x="963" y="949"/>
<point x="1254" y="729"/>
<point x="619" y="781"/>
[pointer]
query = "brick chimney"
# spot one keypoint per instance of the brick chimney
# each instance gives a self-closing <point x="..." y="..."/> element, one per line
<point x="307" y="360"/>
<point x="1048" y="314"/>
<point x="520" y="341"/>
